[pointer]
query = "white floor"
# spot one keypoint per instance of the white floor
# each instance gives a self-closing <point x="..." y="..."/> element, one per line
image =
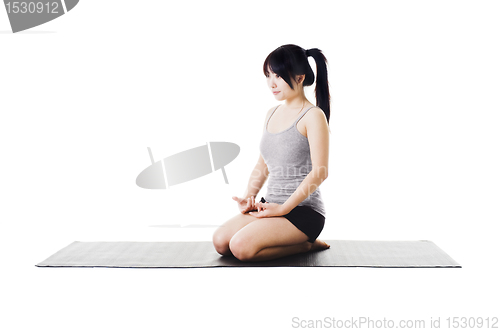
<point x="413" y="156"/>
<point x="232" y="299"/>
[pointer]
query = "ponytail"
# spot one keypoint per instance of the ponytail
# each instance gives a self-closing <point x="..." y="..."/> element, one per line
<point x="322" y="90"/>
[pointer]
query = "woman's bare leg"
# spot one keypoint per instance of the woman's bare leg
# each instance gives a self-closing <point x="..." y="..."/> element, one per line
<point x="269" y="238"/>
<point x="226" y="231"/>
<point x="281" y="251"/>
<point x="278" y="252"/>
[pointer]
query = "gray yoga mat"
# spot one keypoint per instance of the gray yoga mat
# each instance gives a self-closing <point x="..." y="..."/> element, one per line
<point x="342" y="253"/>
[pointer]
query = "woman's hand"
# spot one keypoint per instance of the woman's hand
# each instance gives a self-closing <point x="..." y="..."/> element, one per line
<point x="265" y="210"/>
<point x="245" y="204"/>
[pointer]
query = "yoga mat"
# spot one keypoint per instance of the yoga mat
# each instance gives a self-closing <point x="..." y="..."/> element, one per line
<point x="342" y="253"/>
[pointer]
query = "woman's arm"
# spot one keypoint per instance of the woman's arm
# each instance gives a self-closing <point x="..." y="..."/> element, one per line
<point x="318" y="136"/>
<point x="260" y="171"/>
<point x="257" y="178"/>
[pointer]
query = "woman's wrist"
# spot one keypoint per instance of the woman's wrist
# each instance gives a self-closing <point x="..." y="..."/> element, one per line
<point x="285" y="209"/>
<point x="250" y="195"/>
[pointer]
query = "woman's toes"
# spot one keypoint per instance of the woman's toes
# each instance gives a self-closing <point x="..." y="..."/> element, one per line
<point x="320" y="245"/>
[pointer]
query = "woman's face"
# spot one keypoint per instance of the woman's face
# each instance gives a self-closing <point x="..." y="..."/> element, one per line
<point x="280" y="89"/>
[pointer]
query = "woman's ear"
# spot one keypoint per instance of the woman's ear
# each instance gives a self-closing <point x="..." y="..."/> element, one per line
<point x="300" y="78"/>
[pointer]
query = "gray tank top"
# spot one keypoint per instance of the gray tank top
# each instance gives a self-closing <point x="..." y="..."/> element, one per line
<point x="288" y="160"/>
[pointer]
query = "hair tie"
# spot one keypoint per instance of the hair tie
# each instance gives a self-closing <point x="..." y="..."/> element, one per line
<point x="308" y="53"/>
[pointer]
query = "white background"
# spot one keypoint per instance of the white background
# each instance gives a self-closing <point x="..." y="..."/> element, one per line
<point x="414" y="155"/>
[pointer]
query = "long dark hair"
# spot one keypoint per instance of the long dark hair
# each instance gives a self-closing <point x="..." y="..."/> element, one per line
<point x="290" y="60"/>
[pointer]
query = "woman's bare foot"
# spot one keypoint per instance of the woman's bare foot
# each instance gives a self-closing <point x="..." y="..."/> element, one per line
<point x="319" y="245"/>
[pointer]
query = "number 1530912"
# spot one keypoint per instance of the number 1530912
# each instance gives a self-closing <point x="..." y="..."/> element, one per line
<point x="32" y="7"/>
<point x="472" y="322"/>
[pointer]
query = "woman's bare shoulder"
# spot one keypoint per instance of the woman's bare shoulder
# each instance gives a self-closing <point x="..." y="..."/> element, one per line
<point x="315" y="119"/>
<point x="315" y="115"/>
<point x="270" y="111"/>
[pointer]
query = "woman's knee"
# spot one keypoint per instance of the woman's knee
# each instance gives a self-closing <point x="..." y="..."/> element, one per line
<point x="221" y="243"/>
<point x="242" y="248"/>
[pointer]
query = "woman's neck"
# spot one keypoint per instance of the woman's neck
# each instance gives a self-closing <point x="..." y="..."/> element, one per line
<point x="296" y="102"/>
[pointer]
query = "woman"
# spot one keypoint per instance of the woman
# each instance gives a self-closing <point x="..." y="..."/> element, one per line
<point x="294" y="155"/>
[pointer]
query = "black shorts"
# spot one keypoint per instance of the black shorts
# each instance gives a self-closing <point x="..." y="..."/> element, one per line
<point x="307" y="220"/>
